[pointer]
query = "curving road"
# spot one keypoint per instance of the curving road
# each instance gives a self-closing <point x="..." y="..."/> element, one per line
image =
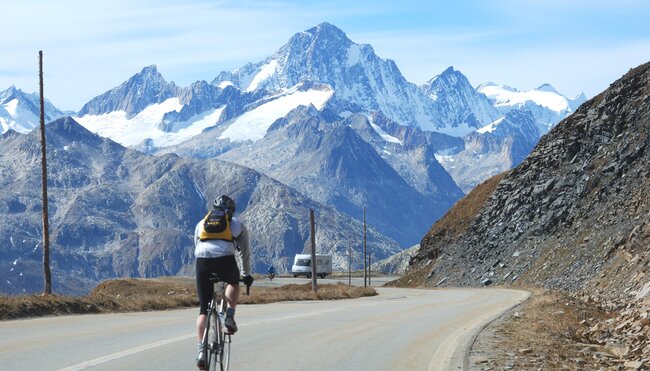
<point x="400" y="329"/>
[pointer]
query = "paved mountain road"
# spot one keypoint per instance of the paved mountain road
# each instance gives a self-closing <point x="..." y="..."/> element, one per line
<point x="400" y="329"/>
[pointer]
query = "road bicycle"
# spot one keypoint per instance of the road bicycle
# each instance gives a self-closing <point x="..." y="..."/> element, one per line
<point x="216" y="339"/>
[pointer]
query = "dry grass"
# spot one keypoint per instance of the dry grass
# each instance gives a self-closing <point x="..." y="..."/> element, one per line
<point x="416" y="277"/>
<point x="539" y="334"/>
<point x="456" y="221"/>
<point x="130" y="295"/>
<point x="263" y="295"/>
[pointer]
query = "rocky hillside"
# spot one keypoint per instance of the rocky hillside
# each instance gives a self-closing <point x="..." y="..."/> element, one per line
<point x="116" y="212"/>
<point x="574" y="215"/>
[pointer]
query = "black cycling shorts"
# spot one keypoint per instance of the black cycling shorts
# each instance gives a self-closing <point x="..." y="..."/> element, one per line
<point x="227" y="269"/>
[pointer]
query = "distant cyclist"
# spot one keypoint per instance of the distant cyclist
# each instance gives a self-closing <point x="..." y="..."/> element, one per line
<point x="216" y="239"/>
<point x="271" y="272"/>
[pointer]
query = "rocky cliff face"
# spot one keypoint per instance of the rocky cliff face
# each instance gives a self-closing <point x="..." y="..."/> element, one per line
<point x="574" y="215"/>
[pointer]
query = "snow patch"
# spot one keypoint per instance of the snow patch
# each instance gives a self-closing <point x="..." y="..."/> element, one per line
<point x="17" y="118"/>
<point x="354" y="55"/>
<point x="12" y="107"/>
<point x="490" y="127"/>
<point x="545" y="96"/>
<point x="224" y="84"/>
<point x="266" y="71"/>
<point x="130" y="132"/>
<point x="384" y="135"/>
<point x="254" y="124"/>
<point x="443" y="159"/>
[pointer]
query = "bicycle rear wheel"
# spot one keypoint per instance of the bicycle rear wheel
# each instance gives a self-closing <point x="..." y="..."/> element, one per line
<point x="211" y="344"/>
<point x="225" y="356"/>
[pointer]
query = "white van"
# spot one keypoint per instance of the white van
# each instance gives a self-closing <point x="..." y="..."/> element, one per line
<point x="302" y="265"/>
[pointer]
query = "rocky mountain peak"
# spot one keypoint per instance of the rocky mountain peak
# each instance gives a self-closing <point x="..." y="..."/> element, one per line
<point x="446" y="82"/>
<point x="9" y="94"/>
<point x="70" y="129"/>
<point x="137" y="93"/>
<point x="327" y="31"/>
<point x="322" y="39"/>
<point x="456" y="99"/>
<point x="150" y="71"/>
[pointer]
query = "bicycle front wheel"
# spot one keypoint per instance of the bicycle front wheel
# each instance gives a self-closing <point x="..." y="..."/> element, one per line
<point x="211" y="345"/>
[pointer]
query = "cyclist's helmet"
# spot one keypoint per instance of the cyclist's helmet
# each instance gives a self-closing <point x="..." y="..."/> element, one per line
<point x="226" y="202"/>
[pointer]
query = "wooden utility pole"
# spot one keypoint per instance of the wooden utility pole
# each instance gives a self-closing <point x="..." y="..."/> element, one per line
<point x="312" y="225"/>
<point x="349" y="266"/>
<point x="365" y="259"/>
<point x="46" y="226"/>
<point x="369" y="269"/>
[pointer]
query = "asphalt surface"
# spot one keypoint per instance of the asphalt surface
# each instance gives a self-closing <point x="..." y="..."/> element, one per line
<point x="400" y="329"/>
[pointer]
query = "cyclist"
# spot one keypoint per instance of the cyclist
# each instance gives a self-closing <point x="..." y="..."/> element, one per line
<point x="215" y="253"/>
<point x="271" y="272"/>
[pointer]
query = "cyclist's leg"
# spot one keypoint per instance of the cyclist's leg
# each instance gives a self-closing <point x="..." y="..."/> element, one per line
<point x="204" y="289"/>
<point x="232" y="295"/>
<point x="229" y="272"/>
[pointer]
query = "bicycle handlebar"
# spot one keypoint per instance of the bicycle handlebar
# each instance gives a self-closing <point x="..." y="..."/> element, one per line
<point x="248" y="287"/>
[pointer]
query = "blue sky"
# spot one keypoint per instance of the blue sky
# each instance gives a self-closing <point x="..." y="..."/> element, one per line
<point x="92" y="46"/>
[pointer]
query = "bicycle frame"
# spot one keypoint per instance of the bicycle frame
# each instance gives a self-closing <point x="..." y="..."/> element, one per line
<point x="216" y="343"/>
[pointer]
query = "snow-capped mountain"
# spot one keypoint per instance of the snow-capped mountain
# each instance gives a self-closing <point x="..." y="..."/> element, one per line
<point x="458" y="102"/>
<point x="21" y="112"/>
<point x="545" y="103"/>
<point x="326" y="55"/>
<point x="147" y="112"/>
<point x="134" y="95"/>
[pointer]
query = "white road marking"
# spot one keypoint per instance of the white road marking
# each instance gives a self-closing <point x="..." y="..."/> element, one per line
<point x="124" y="353"/>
